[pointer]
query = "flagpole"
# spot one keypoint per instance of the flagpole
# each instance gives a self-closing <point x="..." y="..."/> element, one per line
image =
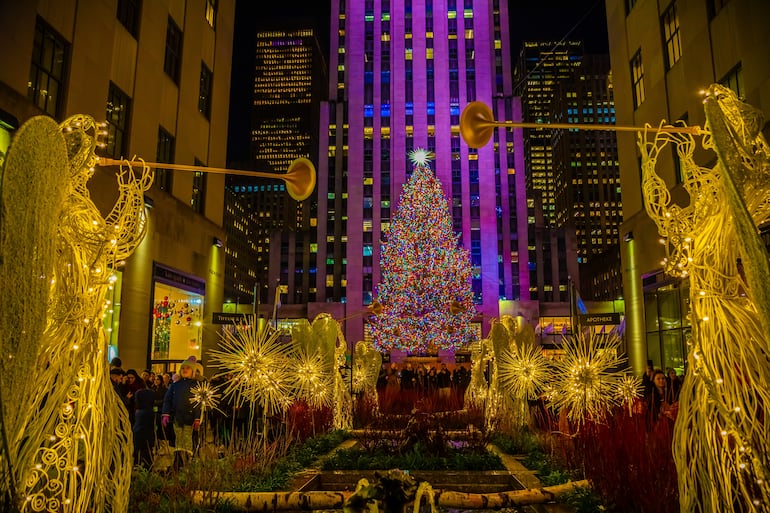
<point x="275" y="302"/>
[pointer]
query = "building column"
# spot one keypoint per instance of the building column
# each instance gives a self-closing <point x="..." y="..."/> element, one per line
<point x="635" y="336"/>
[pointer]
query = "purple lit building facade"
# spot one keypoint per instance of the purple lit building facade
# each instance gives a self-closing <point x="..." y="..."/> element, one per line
<point x="400" y="73"/>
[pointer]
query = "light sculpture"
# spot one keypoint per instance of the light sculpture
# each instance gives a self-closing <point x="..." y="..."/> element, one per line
<point x="721" y="443"/>
<point x="66" y="443"/>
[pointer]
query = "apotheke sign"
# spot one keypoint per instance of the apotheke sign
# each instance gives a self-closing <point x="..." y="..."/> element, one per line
<point x="600" y="319"/>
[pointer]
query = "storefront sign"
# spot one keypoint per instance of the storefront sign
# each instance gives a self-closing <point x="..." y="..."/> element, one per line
<point x="231" y="318"/>
<point x="177" y="279"/>
<point x="600" y="319"/>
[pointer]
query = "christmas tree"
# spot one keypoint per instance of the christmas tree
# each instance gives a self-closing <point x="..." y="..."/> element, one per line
<point x="425" y="294"/>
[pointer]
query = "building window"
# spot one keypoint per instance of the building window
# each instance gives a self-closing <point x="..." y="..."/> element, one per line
<point x="49" y="66"/>
<point x="198" y="200"/>
<point x="637" y="78"/>
<point x="166" y="143"/>
<point x="173" y="60"/>
<point x="714" y="6"/>
<point x="670" y="25"/>
<point x="118" y="110"/>
<point x="211" y="12"/>
<point x="204" y="96"/>
<point x="128" y="15"/>
<point x="734" y="80"/>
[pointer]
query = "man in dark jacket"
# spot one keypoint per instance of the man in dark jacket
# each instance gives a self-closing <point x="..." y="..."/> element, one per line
<point x="179" y="409"/>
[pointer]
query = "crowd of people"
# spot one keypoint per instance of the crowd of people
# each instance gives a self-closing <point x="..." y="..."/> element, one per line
<point x="410" y="382"/>
<point x="661" y="393"/>
<point x="159" y="408"/>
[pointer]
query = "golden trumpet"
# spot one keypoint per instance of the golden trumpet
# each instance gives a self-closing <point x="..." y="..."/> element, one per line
<point x="300" y="178"/>
<point x="477" y="124"/>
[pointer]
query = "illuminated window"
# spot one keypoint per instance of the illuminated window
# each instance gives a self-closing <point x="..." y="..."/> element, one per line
<point x="118" y="108"/>
<point x="165" y="153"/>
<point x="637" y="78"/>
<point x="173" y="57"/>
<point x="198" y="199"/>
<point x="49" y="64"/>
<point x="204" y="96"/>
<point x="128" y="15"/>
<point x="408" y="54"/>
<point x="211" y="12"/>
<point x="734" y="80"/>
<point x="670" y="22"/>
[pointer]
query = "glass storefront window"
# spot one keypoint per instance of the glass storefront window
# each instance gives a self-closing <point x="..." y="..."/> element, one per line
<point x="651" y="311"/>
<point x="111" y="320"/>
<point x="177" y="325"/>
<point x="666" y="311"/>
<point x="672" y="350"/>
<point x="668" y="308"/>
<point x="653" y="348"/>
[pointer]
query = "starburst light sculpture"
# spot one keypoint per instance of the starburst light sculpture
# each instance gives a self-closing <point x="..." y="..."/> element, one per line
<point x="259" y="365"/>
<point x="314" y="378"/>
<point x="585" y="377"/>
<point x="629" y="389"/>
<point x="205" y="395"/>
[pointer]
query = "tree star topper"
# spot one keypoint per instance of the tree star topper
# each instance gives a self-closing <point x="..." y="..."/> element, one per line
<point x="421" y="156"/>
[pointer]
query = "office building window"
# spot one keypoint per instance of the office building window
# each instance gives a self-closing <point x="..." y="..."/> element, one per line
<point x="714" y="6"/>
<point x="173" y="60"/>
<point x="118" y="110"/>
<point x="211" y="12"/>
<point x="204" y="96"/>
<point x="49" y="66"/>
<point x="128" y="15"/>
<point x="734" y="80"/>
<point x="166" y="143"/>
<point x="670" y="25"/>
<point x="637" y="78"/>
<point x="198" y="200"/>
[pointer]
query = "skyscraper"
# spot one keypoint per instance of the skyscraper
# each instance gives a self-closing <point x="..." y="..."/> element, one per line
<point x="400" y="74"/>
<point x="289" y="75"/>
<point x="573" y="182"/>
<point x="541" y="66"/>
<point x="586" y="172"/>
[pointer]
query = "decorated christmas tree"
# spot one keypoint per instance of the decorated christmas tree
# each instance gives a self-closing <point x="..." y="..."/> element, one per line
<point x="425" y="295"/>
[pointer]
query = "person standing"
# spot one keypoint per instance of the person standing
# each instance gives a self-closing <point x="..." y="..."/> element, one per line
<point x="444" y="382"/>
<point x="144" y="425"/>
<point x="179" y="410"/>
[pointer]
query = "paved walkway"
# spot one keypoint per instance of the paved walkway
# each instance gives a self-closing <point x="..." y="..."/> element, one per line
<point x="528" y="479"/>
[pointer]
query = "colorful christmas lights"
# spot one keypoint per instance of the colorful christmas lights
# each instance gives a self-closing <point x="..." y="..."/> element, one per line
<point x="425" y="293"/>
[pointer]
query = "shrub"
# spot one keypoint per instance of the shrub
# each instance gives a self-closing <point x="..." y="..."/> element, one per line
<point x="416" y="457"/>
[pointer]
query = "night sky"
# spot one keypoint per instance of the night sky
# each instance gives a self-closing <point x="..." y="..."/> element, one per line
<point x="533" y="20"/>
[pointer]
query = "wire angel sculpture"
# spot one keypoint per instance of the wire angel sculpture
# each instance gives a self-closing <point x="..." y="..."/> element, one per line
<point x="66" y="440"/>
<point x="721" y="445"/>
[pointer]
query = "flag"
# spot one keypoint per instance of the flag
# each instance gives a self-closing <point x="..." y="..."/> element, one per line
<point x="579" y="303"/>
